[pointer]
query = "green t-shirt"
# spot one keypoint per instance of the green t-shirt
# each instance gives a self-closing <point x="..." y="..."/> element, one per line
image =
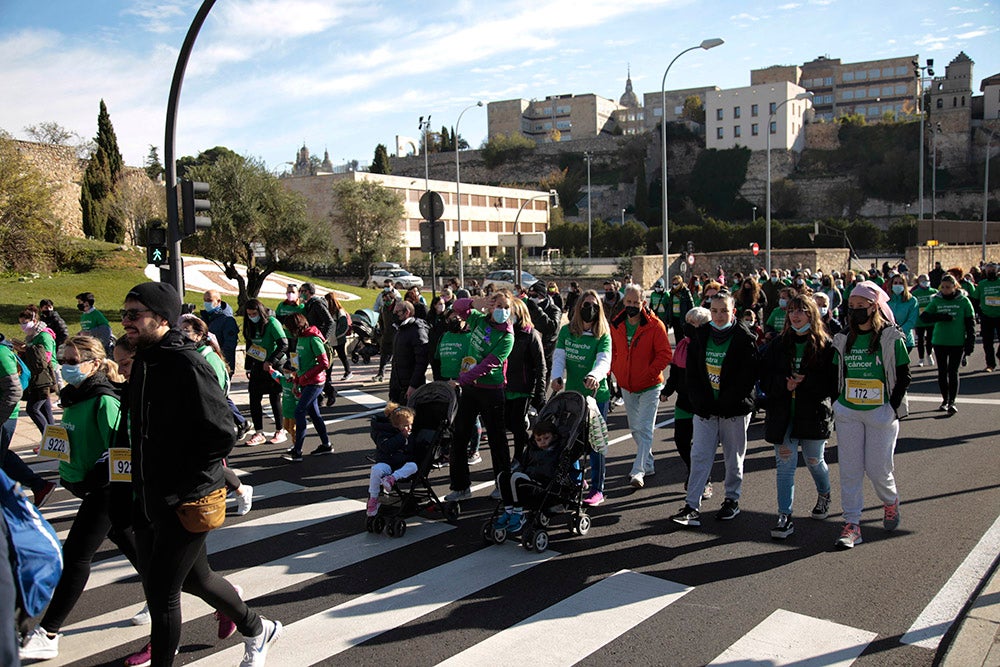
<point x="953" y="331"/>
<point x="484" y="340"/>
<point x="218" y="365"/>
<point x="581" y="355"/>
<point x="90" y="425"/>
<point x="267" y="339"/>
<point x="630" y="331"/>
<point x="288" y="400"/>
<point x="9" y="366"/>
<point x="452" y="348"/>
<point x="308" y="349"/>
<point x="776" y="320"/>
<point x="864" y="374"/>
<point x="92" y="319"/>
<point x="923" y="295"/>
<point x="989" y="297"/>
<point x="715" y="353"/>
<point x="46" y="340"/>
<point x="284" y="309"/>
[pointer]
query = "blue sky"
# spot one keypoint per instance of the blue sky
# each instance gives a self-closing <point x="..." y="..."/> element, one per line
<point x="345" y="75"/>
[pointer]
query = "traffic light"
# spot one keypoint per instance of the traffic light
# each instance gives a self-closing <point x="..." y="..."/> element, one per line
<point x="553" y="199"/>
<point x="690" y="247"/>
<point x="191" y="206"/>
<point x="156" y="245"/>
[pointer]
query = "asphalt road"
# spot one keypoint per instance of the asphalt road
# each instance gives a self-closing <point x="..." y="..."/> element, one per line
<point x="635" y="590"/>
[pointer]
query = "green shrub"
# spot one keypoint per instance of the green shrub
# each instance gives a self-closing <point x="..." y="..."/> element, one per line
<point x="501" y="148"/>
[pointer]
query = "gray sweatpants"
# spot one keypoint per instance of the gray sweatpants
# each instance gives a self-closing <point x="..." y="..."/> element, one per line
<point x="708" y="433"/>
<point x="866" y="441"/>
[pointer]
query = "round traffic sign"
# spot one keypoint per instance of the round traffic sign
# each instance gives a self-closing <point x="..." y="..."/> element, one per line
<point x="755" y="249"/>
<point x="431" y="206"/>
<point x="690" y="260"/>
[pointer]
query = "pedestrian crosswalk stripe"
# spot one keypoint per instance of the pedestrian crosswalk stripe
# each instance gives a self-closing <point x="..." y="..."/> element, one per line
<point x="787" y="638"/>
<point x="104" y="632"/>
<point x="583" y="622"/>
<point x="358" y="620"/>
<point x="233" y="535"/>
<point x="361" y="398"/>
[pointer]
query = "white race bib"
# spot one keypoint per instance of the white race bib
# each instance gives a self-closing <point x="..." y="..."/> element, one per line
<point x="864" y="392"/>
<point x="55" y="443"/>
<point x="120" y="464"/>
<point x="257" y="352"/>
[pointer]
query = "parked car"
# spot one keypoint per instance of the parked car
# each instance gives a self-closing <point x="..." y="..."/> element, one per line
<point x="505" y="278"/>
<point x="401" y="278"/>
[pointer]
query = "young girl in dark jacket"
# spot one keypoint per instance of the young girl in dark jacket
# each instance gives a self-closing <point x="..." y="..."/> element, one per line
<point x="394" y="452"/>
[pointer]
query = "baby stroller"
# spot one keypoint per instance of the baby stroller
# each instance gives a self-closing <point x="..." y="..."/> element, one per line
<point x="364" y="324"/>
<point x="435" y="404"/>
<point x="576" y="419"/>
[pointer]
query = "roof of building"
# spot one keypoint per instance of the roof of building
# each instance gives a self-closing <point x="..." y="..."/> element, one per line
<point x="629" y="98"/>
<point x="989" y="81"/>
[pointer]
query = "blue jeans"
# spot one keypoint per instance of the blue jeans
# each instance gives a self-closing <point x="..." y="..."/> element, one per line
<point x="307" y="406"/>
<point x="597" y="461"/>
<point x="787" y="459"/>
<point x="641" y="411"/>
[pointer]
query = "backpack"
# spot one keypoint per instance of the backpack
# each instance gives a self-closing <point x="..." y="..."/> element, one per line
<point x="36" y="555"/>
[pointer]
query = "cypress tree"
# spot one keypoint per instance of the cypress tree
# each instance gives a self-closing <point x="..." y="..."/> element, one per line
<point x="95" y="194"/>
<point x="107" y="140"/>
<point x="380" y="163"/>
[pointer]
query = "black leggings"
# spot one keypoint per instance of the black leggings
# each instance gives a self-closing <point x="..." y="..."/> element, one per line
<point x="341" y="350"/>
<point x="91" y="525"/>
<point x="517" y="487"/>
<point x="683" y="434"/>
<point x="489" y="405"/>
<point x="258" y="388"/>
<point x="174" y="558"/>
<point x="923" y="336"/>
<point x="39" y="408"/>
<point x="949" y="358"/>
<point x="515" y="412"/>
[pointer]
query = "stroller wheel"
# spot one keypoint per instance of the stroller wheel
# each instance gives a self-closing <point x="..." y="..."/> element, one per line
<point x="452" y="511"/>
<point x="378" y="524"/>
<point x="397" y="528"/>
<point x="543" y="519"/>
<point x="582" y="525"/>
<point x="541" y="541"/>
<point x="487" y="532"/>
<point x="354" y="359"/>
<point x="390" y="528"/>
<point x="370" y="524"/>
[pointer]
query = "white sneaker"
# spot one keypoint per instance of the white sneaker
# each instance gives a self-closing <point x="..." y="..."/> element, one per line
<point x="455" y="496"/>
<point x="39" y="646"/>
<point x="142" y="618"/>
<point x="638" y="480"/>
<point x="255" y="653"/>
<point x="619" y="401"/>
<point x="279" y="437"/>
<point x="920" y="364"/>
<point x="244" y="501"/>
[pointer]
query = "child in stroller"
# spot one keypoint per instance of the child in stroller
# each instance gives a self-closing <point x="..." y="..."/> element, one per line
<point x="538" y="469"/>
<point x="394" y="453"/>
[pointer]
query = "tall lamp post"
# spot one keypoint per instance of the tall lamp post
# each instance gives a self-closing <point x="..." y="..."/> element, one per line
<point x="936" y="129"/>
<point x="986" y="188"/>
<point x="770" y="119"/>
<point x="706" y="44"/>
<point x="458" y="197"/>
<point x="590" y="251"/>
<point x="918" y="73"/>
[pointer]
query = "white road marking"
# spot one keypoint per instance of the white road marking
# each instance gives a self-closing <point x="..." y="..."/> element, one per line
<point x="358" y="620"/>
<point x="934" y="621"/>
<point x="623" y="438"/>
<point x="583" y="623"/>
<point x="787" y="638"/>
<point x="928" y="398"/>
<point x="361" y="398"/>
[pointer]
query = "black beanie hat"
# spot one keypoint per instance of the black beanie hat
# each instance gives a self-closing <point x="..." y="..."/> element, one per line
<point x="161" y="298"/>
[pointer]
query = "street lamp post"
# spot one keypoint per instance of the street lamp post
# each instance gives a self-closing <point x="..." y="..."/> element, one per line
<point x="590" y="251"/>
<point x="986" y="189"/>
<point x="934" y="177"/>
<point x="918" y="73"/>
<point x="623" y="217"/>
<point x="754" y="218"/>
<point x="458" y="198"/>
<point x="706" y="44"/>
<point x="552" y="197"/>
<point x="770" y="118"/>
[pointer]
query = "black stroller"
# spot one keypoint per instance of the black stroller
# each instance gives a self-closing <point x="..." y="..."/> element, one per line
<point x="571" y="414"/>
<point x="364" y="324"/>
<point x="435" y="404"/>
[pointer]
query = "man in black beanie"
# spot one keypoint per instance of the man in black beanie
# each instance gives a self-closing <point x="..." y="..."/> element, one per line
<point x="180" y="431"/>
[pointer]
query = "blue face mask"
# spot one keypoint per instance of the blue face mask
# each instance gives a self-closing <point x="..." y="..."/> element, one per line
<point x="804" y="328"/>
<point x="500" y="315"/>
<point x="898" y="289"/>
<point x="721" y="327"/>
<point x="782" y="303"/>
<point x="72" y="374"/>
<point x="823" y="310"/>
<point x="209" y="307"/>
<point x="255" y="318"/>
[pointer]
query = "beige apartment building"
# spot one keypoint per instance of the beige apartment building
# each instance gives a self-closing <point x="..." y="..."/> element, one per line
<point x="651" y="102"/>
<point x="743" y="117"/>
<point x="487" y="211"/>
<point x="554" y="119"/>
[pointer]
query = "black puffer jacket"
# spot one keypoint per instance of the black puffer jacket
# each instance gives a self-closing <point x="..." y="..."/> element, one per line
<point x="409" y="358"/>
<point x="526" y="368"/>
<point x="813" y="418"/>
<point x="736" y="380"/>
<point x="391" y="446"/>
<point x="180" y="424"/>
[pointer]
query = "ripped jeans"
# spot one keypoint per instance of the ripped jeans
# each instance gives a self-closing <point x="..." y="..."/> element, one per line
<point x="787" y="458"/>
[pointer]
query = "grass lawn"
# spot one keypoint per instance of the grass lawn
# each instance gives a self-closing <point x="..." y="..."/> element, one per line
<point x="110" y="287"/>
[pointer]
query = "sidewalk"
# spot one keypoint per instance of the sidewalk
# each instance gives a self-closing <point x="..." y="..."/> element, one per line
<point x="977" y="641"/>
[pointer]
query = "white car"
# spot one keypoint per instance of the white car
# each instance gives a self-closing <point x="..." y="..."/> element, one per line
<point x="401" y="278"/>
<point x="505" y="278"/>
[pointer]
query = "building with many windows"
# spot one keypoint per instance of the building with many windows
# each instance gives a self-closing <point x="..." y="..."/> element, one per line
<point x="743" y="116"/>
<point x="556" y="118"/>
<point x="487" y="211"/>
<point x="675" y="104"/>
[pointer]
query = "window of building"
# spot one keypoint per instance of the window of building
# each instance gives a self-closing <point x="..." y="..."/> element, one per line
<point x="828" y="81"/>
<point x="718" y="133"/>
<point x="848" y="76"/>
<point x="887" y="72"/>
<point x="737" y="132"/>
<point x="848" y="95"/>
<point x="563" y="125"/>
<point x="887" y="90"/>
<point x="774" y="127"/>
<point x="657" y="112"/>
<point x="954" y="102"/>
<point x="901" y="70"/>
<point x="963" y="100"/>
<point x="873" y="74"/>
<point x="940" y="103"/>
<point x="753" y="110"/>
<point x="828" y="99"/>
<point x="754" y="130"/>
<point x="771" y="107"/>
<point x="678" y="110"/>
<point x="873" y="110"/>
<point x="718" y="114"/>
<point x="547" y="111"/>
<point x="562" y="110"/>
<point x="900" y="89"/>
<point x="547" y="126"/>
<point x="640" y="116"/>
<point x="538" y="126"/>
<point x="873" y="92"/>
<point x="860" y="110"/>
<point x="736" y="112"/>
<point x="861" y="75"/>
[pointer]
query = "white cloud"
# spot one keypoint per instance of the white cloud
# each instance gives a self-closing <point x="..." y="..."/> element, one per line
<point x="978" y="32"/>
<point x="160" y="16"/>
<point x="744" y="17"/>
<point x="790" y="5"/>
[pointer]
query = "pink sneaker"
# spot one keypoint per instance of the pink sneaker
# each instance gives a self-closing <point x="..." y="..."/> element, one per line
<point x="388" y="482"/>
<point x="140" y="658"/>
<point x="226" y="625"/>
<point x="373" y="505"/>
<point x="594" y="499"/>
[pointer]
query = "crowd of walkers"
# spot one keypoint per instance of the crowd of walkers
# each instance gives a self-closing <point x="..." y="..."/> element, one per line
<point x="814" y="352"/>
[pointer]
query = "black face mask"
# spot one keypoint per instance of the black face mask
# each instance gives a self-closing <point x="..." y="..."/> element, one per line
<point x="631" y="311"/>
<point x="80" y="306"/>
<point x="688" y="329"/>
<point x="610" y="296"/>
<point x="991" y="275"/>
<point x="455" y="326"/>
<point x="589" y="312"/>
<point x="859" y="316"/>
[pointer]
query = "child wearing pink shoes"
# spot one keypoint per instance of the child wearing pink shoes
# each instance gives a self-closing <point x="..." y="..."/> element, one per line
<point x="394" y="452"/>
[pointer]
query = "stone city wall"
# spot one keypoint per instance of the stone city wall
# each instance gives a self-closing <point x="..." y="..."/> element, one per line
<point x="63" y="174"/>
<point x="646" y="269"/>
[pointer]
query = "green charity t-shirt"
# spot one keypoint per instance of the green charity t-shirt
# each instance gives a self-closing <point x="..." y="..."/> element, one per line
<point x="452" y="348"/>
<point x="864" y="374"/>
<point x="715" y="353"/>
<point x="923" y="295"/>
<point x="92" y="320"/>
<point x="953" y="331"/>
<point x="776" y="320"/>
<point x="9" y="366"/>
<point x="484" y="340"/>
<point x="581" y="355"/>
<point x="989" y="297"/>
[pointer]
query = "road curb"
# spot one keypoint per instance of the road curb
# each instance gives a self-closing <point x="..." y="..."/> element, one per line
<point x="977" y="640"/>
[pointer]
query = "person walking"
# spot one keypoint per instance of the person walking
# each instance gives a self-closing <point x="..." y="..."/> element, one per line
<point x="680" y="302"/>
<point x="310" y="376"/>
<point x="222" y="324"/>
<point x="954" y="336"/>
<point x="318" y="315"/>
<point x="437" y="326"/>
<point x="797" y="375"/>
<point x="387" y="344"/>
<point x="178" y="442"/>
<point x="287" y="308"/>
<point x="409" y="355"/>
<point x="266" y="349"/>
<point x="546" y="317"/>
<point x="904" y="306"/>
<point x="873" y="372"/>
<point x="53" y="320"/>
<point x="989" y="317"/>
<point x="923" y="330"/>
<point x="526" y="372"/>
<point x="581" y="363"/>
<point x="39" y="353"/>
<point x="90" y="420"/>
<point x="721" y="373"/>
<point x="640" y="350"/>
<point x="750" y="297"/>
<point x="93" y="322"/>
<point x="341" y="329"/>
<point x="482" y="380"/>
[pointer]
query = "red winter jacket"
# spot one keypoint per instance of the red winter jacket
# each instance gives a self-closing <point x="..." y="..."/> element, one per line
<point x="640" y="365"/>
